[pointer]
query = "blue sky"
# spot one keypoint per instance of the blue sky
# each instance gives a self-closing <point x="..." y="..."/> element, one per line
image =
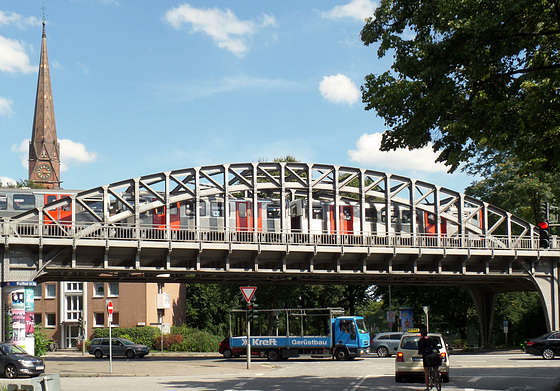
<point x="147" y="86"/>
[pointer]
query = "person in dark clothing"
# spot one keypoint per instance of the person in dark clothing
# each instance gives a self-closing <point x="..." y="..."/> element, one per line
<point x="426" y="347"/>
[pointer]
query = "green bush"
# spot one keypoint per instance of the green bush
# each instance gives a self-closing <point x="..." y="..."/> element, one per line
<point x="41" y="341"/>
<point x="171" y="342"/>
<point x="195" y="340"/>
<point x="141" y="335"/>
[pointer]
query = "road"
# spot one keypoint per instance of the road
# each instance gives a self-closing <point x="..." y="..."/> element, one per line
<point x="482" y="372"/>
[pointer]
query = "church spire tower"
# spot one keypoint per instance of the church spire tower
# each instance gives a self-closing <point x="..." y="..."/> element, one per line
<point x="44" y="149"/>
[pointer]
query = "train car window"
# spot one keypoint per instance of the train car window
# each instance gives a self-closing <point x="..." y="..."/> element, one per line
<point x="3" y="202"/>
<point x="273" y="211"/>
<point x="383" y="215"/>
<point x="318" y="213"/>
<point x="24" y="201"/>
<point x="242" y="210"/>
<point x="371" y="214"/>
<point x="202" y="208"/>
<point x="406" y="217"/>
<point x="173" y="209"/>
<point x="189" y="208"/>
<point x="51" y="198"/>
<point x="347" y="213"/>
<point x="217" y="209"/>
<point x="430" y="218"/>
<point x="160" y="210"/>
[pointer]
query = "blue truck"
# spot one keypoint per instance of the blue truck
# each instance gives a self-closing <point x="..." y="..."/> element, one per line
<point x="347" y="337"/>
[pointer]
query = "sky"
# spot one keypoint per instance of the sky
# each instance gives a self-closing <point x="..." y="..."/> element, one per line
<point x="143" y="86"/>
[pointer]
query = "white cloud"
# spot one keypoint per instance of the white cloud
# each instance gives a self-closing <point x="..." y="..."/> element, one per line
<point x="72" y="153"/>
<point x="5" y="181"/>
<point x="368" y="153"/>
<point x="13" y="57"/>
<point x="12" y="18"/>
<point x="356" y="9"/>
<point x="223" y="27"/>
<point x="339" y="89"/>
<point x="5" y="106"/>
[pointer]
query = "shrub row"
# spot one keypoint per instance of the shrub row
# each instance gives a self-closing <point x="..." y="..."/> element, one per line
<point x="181" y="338"/>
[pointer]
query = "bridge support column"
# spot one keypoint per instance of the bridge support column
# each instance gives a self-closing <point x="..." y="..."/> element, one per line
<point x="547" y="279"/>
<point x="484" y="301"/>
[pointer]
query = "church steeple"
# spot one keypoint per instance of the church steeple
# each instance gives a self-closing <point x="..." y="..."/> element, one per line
<point x="44" y="149"/>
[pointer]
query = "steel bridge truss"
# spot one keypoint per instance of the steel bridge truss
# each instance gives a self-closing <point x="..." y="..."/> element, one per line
<point x="472" y="243"/>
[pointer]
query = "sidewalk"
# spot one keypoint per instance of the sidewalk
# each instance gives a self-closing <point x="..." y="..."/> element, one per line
<point x="72" y="363"/>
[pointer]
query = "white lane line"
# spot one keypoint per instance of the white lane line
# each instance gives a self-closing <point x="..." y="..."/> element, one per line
<point x="474" y="379"/>
<point x="360" y="383"/>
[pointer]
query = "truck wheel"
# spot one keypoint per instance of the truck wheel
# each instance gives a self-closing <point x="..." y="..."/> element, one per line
<point x="272" y="355"/>
<point x="341" y="354"/>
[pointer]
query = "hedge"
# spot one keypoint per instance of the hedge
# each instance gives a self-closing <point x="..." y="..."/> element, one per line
<point x="142" y="335"/>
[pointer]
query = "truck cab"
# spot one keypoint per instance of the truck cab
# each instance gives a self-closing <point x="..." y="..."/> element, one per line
<point x="350" y="337"/>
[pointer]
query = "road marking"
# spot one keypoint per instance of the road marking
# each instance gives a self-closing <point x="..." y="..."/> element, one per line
<point x="363" y="379"/>
<point x="475" y="379"/>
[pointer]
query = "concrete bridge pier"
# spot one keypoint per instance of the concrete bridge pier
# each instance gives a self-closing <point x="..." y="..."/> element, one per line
<point x="547" y="279"/>
<point x="484" y="302"/>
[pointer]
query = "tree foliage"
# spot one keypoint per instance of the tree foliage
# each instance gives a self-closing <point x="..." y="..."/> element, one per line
<point x="471" y="77"/>
<point x="23" y="183"/>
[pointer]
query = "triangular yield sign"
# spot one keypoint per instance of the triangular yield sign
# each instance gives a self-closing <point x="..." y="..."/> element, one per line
<point x="248" y="292"/>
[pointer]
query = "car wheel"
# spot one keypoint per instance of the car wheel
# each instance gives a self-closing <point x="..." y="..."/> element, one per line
<point x="227" y="353"/>
<point x="382" y="351"/>
<point x="10" y="371"/>
<point x="130" y="354"/>
<point x="98" y="354"/>
<point x="548" y="353"/>
<point x="341" y="354"/>
<point x="273" y="355"/>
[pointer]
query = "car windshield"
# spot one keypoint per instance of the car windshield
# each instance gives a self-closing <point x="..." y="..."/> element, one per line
<point x="411" y="341"/>
<point x="362" y="329"/>
<point x="126" y="341"/>
<point x="13" y="349"/>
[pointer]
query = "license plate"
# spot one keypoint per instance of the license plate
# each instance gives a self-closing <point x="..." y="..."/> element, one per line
<point x="40" y="367"/>
<point x="416" y="358"/>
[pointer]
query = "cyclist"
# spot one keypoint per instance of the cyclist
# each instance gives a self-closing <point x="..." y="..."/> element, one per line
<point x="426" y="347"/>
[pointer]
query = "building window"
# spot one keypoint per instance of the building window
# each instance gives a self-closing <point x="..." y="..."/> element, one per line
<point x="113" y="289"/>
<point x="115" y="322"/>
<point x="38" y="318"/>
<point x="50" y="320"/>
<point x="38" y="291"/>
<point x="50" y="291"/>
<point x="74" y="287"/>
<point x="98" y="289"/>
<point x="99" y="319"/>
<point x="73" y="307"/>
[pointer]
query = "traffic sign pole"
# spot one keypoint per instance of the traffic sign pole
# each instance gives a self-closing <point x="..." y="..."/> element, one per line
<point x="248" y="292"/>
<point x="110" y="318"/>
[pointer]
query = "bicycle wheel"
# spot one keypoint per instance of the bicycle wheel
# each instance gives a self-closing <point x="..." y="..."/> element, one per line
<point x="431" y="378"/>
<point x="437" y="379"/>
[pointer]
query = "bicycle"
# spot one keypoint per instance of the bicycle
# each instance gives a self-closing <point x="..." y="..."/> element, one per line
<point x="434" y="378"/>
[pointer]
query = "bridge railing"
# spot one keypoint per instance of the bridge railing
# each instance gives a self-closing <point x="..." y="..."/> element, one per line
<point x="288" y="237"/>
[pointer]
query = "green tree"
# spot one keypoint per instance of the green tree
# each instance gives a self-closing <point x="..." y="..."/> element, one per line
<point x="20" y="183"/>
<point x="509" y="184"/>
<point x="471" y="77"/>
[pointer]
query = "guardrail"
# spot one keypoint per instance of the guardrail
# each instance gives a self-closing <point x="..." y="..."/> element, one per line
<point x="292" y="237"/>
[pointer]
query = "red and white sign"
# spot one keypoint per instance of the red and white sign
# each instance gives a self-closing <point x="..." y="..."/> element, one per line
<point x="248" y="292"/>
<point x="109" y="307"/>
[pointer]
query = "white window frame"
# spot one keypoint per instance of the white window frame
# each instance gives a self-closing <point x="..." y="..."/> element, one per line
<point x="74" y="307"/>
<point x="110" y="292"/>
<point x="95" y="286"/>
<point x="48" y="295"/>
<point x="47" y="320"/>
<point x="74" y="287"/>
<point x="38" y="291"/>
<point x="95" y="315"/>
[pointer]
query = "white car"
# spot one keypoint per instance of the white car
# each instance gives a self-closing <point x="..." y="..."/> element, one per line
<point x="409" y="363"/>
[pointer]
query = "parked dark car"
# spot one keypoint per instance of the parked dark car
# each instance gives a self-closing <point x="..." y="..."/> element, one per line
<point x="547" y="345"/>
<point x="15" y="361"/>
<point x="99" y="347"/>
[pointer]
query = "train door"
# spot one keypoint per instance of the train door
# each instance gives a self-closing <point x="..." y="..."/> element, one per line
<point x="60" y="214"/>
<point x="430" y="224"/>
<point x="346" y="219"/>
<point x="244" y="216"/>
<point x="174" y="218"/>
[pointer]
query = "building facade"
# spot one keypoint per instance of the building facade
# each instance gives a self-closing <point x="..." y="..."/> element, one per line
<point x="60" y="305"/>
